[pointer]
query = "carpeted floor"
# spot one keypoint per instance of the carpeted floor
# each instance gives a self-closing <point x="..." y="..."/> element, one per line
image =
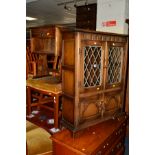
<point x="43" y="118"/>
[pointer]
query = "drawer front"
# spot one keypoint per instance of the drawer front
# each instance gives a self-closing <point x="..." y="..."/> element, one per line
<point x="43" y="32"/>
<point x="89" y="9"/>
<point x="114" y="142"/>
<point x="117" y="133"/>
<point x="121" y="151"/>
<point x="117" y="148"/>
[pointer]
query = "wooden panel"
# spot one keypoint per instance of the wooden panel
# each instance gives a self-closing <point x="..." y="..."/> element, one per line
<point x="43" y="32"/>
<point x="69" y="55"/>
<point x="88" y="111"/>
<point x="67" y="34"/>
<point x="41" y="67"/>
<point x="68" y="82"/>
<point x="113" y="103"/>
<point x="46" y="39"/>
<point x="90" y="108"/>
<point x="68" y="109"/>
<point x="43" y="45"/>
<point x="63" y="150"/>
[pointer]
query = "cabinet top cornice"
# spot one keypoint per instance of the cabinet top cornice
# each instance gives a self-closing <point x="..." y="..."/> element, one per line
<point x="66" y="29"/>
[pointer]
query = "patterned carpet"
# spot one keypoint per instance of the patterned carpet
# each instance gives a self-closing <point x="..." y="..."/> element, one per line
<point x="43" y="118"/>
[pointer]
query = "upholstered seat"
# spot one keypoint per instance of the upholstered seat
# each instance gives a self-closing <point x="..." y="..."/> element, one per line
<point x="38" y="140"/>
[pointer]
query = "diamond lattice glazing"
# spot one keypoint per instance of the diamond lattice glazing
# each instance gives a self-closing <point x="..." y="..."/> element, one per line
<point x="92" y="65"/>
<point x="114" y="64"/>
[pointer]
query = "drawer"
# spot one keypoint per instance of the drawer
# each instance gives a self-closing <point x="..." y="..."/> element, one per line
<point x="43" y="32"/>
<point x="116" y="135"/>
<point x="118" y="148"/>
<point x="121" y="151"/>
<point x="120" y="131"/>
<point x="87" y="9"/>
<point x="84" y="17"/>
<point x="113" y="142"/>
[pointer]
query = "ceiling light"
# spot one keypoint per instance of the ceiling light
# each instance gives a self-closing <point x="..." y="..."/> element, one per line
<point x="31" y="18"/>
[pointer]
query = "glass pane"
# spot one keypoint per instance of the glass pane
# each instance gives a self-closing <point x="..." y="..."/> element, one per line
<point x="92" y="66"/>
<point x="115" y="64"/>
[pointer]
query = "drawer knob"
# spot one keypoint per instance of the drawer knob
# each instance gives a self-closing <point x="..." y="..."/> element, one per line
<point x="98" y="88"/>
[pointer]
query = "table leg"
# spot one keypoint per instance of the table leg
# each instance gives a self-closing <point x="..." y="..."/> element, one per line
<point x="56" y="110"/>
<point x="28" y="100"/>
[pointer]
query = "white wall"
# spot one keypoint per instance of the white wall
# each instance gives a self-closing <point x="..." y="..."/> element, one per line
<point x="112" y="10"/>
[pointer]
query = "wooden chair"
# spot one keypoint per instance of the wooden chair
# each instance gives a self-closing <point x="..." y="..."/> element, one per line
<point x="57" y="67"/>
<point x="31" y="60"/>
<point x="36" y="64"/>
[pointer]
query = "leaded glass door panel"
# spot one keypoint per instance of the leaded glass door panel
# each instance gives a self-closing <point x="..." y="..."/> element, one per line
<point x="115" y="60"/>
<point x="92" y="54"/>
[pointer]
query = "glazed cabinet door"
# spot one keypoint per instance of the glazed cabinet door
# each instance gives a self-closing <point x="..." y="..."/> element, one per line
<point x="91" y="66"/>
<point x="115" y="62"/>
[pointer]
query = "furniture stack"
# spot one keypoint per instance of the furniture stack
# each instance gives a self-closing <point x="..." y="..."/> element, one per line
<point x="45" y="42"/>
<point x="86" y="16"/>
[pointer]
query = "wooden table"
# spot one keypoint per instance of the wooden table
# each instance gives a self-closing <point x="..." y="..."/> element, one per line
<point x="49" y="87"/>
